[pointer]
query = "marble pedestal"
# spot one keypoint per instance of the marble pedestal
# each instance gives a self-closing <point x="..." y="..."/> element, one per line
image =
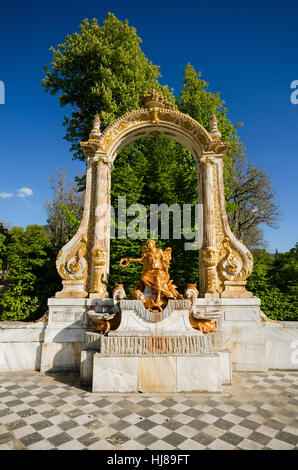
<point x="156" y="374"/>
<point x="153" y="353"/>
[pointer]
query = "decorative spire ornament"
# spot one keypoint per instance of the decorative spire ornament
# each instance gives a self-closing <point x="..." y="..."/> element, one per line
<point x="214" y="131"/>
<point x="95" y="133"/>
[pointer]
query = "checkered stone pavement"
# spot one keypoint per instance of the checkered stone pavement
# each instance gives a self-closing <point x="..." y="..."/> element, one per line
<point x="42" y="411"/>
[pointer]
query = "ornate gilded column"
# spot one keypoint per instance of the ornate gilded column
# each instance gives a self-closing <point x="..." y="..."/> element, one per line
<point x="208" y="253"/>
<point x="101" y="238"/>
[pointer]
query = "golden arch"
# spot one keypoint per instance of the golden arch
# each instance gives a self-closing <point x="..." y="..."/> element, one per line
<point x="225" y="263"/>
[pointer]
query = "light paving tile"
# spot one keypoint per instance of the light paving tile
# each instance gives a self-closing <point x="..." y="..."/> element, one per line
<point x="183" y="419"/>
<point x="291" y="430"/>
<point x="160" y="431"/>
<point x="276" y="444"/>
<point x="247" y="444"/>
<point x="41" y="445"/>
<point x="189" y="444"/>
<point x="241" y="431"/>
<point x="271" y="432"/>
<point x="218" y="444"/>
<point x="161" y="445"/>
<point x="187" y="431"/>
<point x="210" y="419"/>
<point x="132" y="445"/>
<point x="50" y="431"/>
<point x="34" y="418"/>
<point x="232" y="418"/>
<point x="101" y="445"/>
<point x="158" y="419"/>
<point x="132" y="432"/>
<point x="21" y="432"/>
<point x="10" y="418"/>
<point x="71" y="445"/>
<point x="214" y="431"/>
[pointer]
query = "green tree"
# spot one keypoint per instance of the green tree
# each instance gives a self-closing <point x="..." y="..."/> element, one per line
<point x="100" y="69"/>
<point x="31" y="274"/>
<point x="275" y="281"/>
<point x="3" y="245"/>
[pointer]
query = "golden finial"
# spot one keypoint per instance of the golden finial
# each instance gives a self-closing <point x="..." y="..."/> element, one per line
<point x="214" y="131"/>
<point x="95" y="133"/>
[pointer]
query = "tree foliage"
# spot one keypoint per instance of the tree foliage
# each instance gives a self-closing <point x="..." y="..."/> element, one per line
<point x="31" y="274"/>
<point x="275" y="281"/>
<point x="66" y="201"/>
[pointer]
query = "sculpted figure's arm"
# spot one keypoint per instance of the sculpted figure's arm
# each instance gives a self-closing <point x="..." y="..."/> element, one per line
<point x="124" y="262"/>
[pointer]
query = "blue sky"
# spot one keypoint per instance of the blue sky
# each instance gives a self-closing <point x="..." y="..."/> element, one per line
<point x="246" y="51"/>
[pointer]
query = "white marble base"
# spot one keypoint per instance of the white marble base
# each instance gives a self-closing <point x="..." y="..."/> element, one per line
<point x="20" y="356"/>
<point x="61" y="357"/>
<point x="115" y="374"/>
<point x="156" y="374"/>
<point x="86" y="368"/>
<point x="20" y="345"/>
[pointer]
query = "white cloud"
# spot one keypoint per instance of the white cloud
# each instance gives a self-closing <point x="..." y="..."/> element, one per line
<point x="24" y="192"/>
<point x="5" y="195"/>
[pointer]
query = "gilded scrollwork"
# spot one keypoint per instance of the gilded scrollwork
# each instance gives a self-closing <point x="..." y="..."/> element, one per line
<point x="75" y="265"/>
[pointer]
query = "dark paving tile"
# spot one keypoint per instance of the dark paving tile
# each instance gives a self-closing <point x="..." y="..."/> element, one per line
<point x="197" y="424"/>
<point x="101" y="403"/>
<point x="287" y="437"/>
<point x="59" y="439"/>
<point x="28" y="412"/>
<point x="172" y="424"/>
<point x="119" y="425"/>
<point x="272" y="423"/>
<point x="265" y="413"/>
<point x="247" y="423"/>
<point x="122" y="413"/>
<point x="241" y="413"/>
<point x="223" y="424"/>
<point x="41" y="425"/>
<point x="74" y="413"/>
<point x="174" y="439"/>
<point x="259" y="438"/>
<point x="31" y="439"/>
<point x="144" y="424"/>
<point x="193" y="413"/>
<point x="147" y="402"/>
<point x="231" y="438"/>
<point x="216" y="412"/>
<point x="203" y="438"/>
<point x="5" y="412"/>
<point x="168" y="403"/>
<point x="66" y="425"/>
<point x="144" y="413"/>
<point x="20" y="423"/>
<point x="50" y="413"/>
<point x="170" y="413"/>
<point x="6" y="437"/>
<point x="118" y="437"/>
<point x="146" y="439"/>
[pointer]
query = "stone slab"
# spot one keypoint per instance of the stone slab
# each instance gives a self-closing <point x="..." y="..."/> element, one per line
<point x="19" y="332"/>
<point x="250" y="357"/>
<point x="86" y="367"/>
<point x="225" y="367"/>
<point x="157" y="374"/>
<point x="114" y="374"/>
<point x="64" y="335"/>
<point x="20" y="356"/>
<point x="199" y="373"/>
<point x="61" y="356"/>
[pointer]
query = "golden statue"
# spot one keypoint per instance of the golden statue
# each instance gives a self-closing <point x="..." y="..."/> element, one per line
<point x="155" y="276"/>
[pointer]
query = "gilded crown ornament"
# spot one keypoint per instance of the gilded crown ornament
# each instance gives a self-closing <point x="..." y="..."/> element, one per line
<point x="156" y="99"/>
